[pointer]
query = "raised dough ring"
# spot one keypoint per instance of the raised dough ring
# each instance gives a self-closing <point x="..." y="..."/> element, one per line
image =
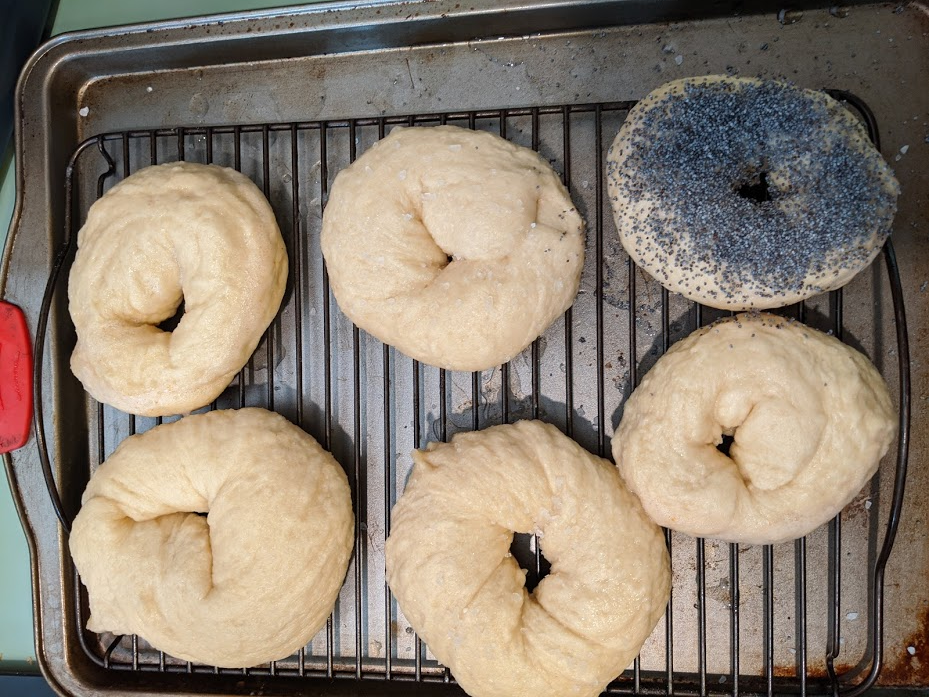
<point x="252" y="581"/>
<point x="456" y="246"/>
<point x="449" y="563"/>
<point x="742" y="193"/>
<point x="810" y="419"/>
<point x="180" y="231"/>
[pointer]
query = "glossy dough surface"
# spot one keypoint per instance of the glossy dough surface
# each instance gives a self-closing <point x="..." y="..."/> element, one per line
<point x="455" y="246"/>
<point x="180" y="231"/>
<point x="811" y="419"/>
<point x="252" y="581"/>
<point x="449" y="564"/>
<point x="742" y="193"/>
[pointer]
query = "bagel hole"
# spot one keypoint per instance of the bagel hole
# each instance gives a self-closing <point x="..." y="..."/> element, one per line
<point x="170" y="324"/>
<point x="726" y="444"/>
<point x="755" y="189"/>
<point x="523" y="549"/>
<point x="449" y="259"/>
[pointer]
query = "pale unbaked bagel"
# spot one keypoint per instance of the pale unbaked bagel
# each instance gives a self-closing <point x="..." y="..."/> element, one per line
<point x="689" y="158"/>
<point x="180" y="231"/>
<point x="811" y="419"/>
<point x="455" y="246"/>
<point x="449" y="564"/>
<point x="252" y="581"/>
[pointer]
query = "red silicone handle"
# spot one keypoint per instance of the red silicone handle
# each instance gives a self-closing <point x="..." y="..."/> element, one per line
<point x="15" y="378"/>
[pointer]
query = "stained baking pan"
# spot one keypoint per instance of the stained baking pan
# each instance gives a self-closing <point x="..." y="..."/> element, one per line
<point x="290" y="97"/>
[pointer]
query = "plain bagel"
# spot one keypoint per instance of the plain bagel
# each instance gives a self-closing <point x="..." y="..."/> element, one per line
<point x="250" y="582"/>
<point x="450" y="567"/>
<point x="456" y="246"/>
<point x="810" y="419"/>
<point x="200" y="234"/>
<point x="742" y="193"/>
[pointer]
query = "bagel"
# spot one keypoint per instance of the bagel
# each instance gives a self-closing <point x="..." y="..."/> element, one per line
<point x="455" y="246"/>
<point x="252" y="581"/>
<point x="450" y="568"/>
<point x="810" y="420"/>
<point x="200" y="234"/>
<point x="742" y="193"/>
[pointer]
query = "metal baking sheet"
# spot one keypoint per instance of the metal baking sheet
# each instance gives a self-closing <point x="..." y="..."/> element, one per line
<point x="338" y="75"/>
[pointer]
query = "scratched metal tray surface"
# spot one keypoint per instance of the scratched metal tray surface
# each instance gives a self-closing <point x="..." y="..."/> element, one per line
<point x="292" y="96"/>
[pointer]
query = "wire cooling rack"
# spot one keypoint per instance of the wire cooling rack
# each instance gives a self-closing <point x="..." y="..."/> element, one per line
<point x="741" y="620"/>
